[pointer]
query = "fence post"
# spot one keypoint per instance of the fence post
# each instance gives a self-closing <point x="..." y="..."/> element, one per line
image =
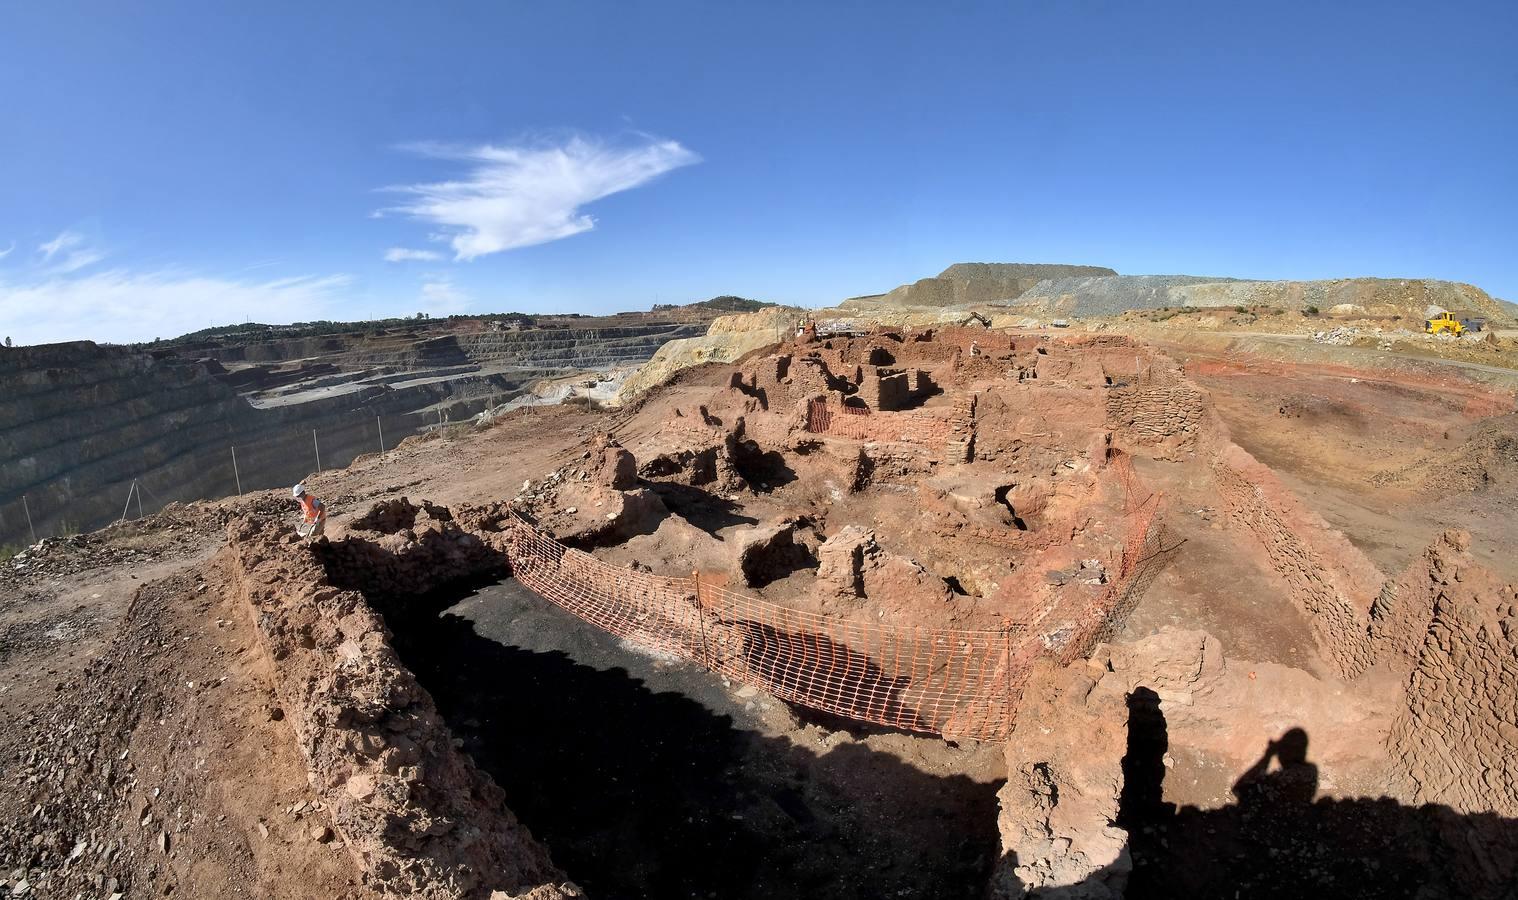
<point x="1007" y="710"/>
<point x="29" y="527"/>
<point x="380" y="425"/>
<point x="236" y="474"/>
<point x="318" y="451"/>
<point x="706" y="652"/>
<point x="128" y="504"/>
<point x="139" y="499"/>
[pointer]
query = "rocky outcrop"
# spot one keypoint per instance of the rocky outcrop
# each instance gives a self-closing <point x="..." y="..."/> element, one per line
<point x="598" y="500"/>
<point x="729" y="338"/>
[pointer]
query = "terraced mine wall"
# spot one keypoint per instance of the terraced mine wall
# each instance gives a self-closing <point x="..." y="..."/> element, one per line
<point x="564" y="348"/>
<point x="82" y="422"/>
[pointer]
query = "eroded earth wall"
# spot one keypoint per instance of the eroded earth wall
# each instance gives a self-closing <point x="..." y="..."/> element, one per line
<point x="418" y="817"/>
<point x="1455" y="739"/>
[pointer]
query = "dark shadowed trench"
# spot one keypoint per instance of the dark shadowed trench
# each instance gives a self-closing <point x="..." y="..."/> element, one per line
<point x="650" y="778"/>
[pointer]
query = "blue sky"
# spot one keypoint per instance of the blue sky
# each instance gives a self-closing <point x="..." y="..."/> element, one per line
<point x="172" y="165"/>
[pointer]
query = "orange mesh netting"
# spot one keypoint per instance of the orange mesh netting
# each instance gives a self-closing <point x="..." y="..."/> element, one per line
<point x="955" y="683"/>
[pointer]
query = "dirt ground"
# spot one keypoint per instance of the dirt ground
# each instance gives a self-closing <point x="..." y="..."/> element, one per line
<point x="1390" y="462"/>
<point x="142" y="752"/>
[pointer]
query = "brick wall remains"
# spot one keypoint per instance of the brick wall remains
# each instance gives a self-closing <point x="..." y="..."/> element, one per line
<point x="1162" y="420"/>
<point x="1330" y="580"/>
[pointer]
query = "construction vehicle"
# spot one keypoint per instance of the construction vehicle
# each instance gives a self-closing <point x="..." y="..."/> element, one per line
<point x="1443" y="322"/>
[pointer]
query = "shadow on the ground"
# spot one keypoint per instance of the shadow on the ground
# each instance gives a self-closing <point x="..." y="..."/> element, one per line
<point x="647" y="794"/>
<point x="1277" y="841"/>
<point x="763" y="470"/>
<point x="703" y="509"/>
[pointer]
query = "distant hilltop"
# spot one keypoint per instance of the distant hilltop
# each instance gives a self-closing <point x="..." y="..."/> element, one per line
<point x="1091" y="291"/>
<point x="1112" y="296"/>
<point x="976" y="283"/>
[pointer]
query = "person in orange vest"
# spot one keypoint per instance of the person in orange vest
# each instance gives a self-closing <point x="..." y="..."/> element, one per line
<point x="313" y="515"/>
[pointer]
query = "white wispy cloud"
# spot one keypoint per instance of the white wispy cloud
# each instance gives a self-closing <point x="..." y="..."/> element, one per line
<point x="122" y="306"/>
<point x="76" y="260"/>
<point x="63" y="241"/>
<point x="71" y="251"/>
<point x="403" y="254"/>
<point x="7" y="251"/>
<point x="440" y="297"/>
<point x="517" y="196"/>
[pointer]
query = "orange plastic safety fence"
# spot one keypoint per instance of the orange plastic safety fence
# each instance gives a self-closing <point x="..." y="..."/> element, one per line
<point x="821" y="416"/>
<point x="956" y="683"/>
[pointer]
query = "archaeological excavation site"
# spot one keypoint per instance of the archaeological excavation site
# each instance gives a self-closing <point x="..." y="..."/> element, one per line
<point x="859" y="609"/>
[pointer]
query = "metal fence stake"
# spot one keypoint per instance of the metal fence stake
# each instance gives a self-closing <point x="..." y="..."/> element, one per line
<point x="318" y="451"/>
<point x="236" y="474"/>
<point x="128" y="504"/>
<point x="27" y="506"/>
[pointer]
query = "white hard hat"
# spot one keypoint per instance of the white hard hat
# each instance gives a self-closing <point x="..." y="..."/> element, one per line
<point x="298" y="490"/>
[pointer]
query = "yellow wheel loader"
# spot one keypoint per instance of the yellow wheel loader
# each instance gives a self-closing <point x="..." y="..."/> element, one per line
<point x="1444" y="322"/>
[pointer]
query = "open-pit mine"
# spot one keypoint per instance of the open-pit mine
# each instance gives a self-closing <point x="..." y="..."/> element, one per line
<point x="821" y="608"/>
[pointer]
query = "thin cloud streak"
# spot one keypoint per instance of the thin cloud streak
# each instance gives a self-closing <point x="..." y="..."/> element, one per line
<point x="74" y="261"/>
<point x="518" y="196"/>
<point x="73" y="255"/>
<point x="122" y="306"/>
<point x="63" y="241"/>
<point x="405" y="254"/>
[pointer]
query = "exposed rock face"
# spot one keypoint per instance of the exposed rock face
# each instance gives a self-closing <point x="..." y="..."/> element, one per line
<point x="976" y="283"/>
<point x="728" y="338"/>
<point x="768" y="552"/>
<point x="599" y="501"/>
<point x="612" y="466"/>
<point x="1163" y="417"/>
<point x="1059" y="807"/>
<point x="1456" y="627"/>
<point x="401" y="548"/>
<point x="852" y="566"/>
<point x="840" y="561"/>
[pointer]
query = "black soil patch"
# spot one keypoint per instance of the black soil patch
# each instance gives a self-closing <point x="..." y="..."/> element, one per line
<point x="650" y="779"/>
